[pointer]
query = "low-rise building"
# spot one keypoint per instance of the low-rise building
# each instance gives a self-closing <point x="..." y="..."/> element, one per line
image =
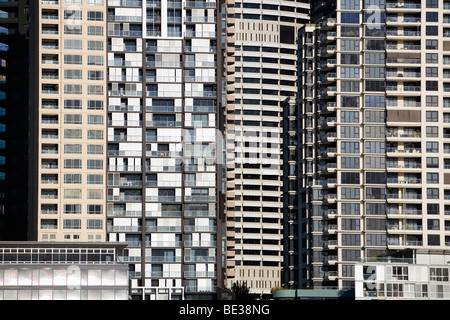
<point x="422" y="274"/>
<point x="62" y="271"/>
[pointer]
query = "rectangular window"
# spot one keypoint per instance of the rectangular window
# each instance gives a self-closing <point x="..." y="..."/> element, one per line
<point x="71" y="44"/>
<point x="72" y="164"/>
<point x="439" y="274"/>
<point x="95" y="31"/>
<point x="95" y="45"/>
<point x="73" y="119"/>
<point x="94" y="179"/>
<point x="94" y="209"/>
<point x="72" y="178"/>
<point x="73" y="74"/>
<point x="73" y="134"/>
<point x="95" y="16"/>
<point x="94" y="164"/>
<point x="73" y="59"/>
<point x="71" y="224"/>
<point x="94" y="224"/>
<point x="72" y="209"/>
<point x="72" y="148"/>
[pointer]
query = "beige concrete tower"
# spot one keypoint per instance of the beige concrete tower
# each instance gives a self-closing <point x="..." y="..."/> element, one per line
<point x="69" y="120"/>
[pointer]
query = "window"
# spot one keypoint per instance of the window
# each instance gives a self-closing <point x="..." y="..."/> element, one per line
<point x="349" y="132"/>
<point x="71" y="44"/>
<point x="432" y="71"/>
<point x="95" y="16"/>
<point x="95" y="105"/>
<point x="432" y="3"/>
<point x="400" y="273"/>
<point x="94" y="149"/>
<point x="432" y="58"/>
<point x="73" y="119"/>
<point x="72" y="104"/>
<point x="350" y="177"/>
<point x="71" y="224"/>
<point x="72" y="194"/>
<point x="95" y="45"/>
<point x="95" y="134"/>
<point x="350" y="193"/>
<point x="95" y="60"/>
<point x="72" y="178"/>
<point x="72" y="14"/>
<point x="349" y="31"/>
<point x="94" y="209"/>
<point x="431" y="116"/>
<point x="94" y="224"/>
<point x="94" y="194"/>
<point x="375" y="208"/>
<point x="431" y="30"/>
<point x="431" y="44"/>
<point x="95" y="90"/>
<point x="431" y="85"/>
<point x="95" y="119"/>
<point x="350" y="17"/>
<point x="432" y="193"/>
<point x="432" y="162"/>
<point x="350" y="224"/>
<point x="434" y="240"/>
<point x="94" y="178"/>
<point x="73" y="59"/>
<point x="73" y="74"/>
<point x="432" y="147"/>
<point x="350" y="147"/>
<point x="432" y="17"/>
<point x="95" y="75"/>
<point x="375" y="147"/>
<point x="72" y="134"/>
<point x="432" y="208"/>
<point x="350" y="162"/>
<point x="432" y="224"/>
<point x="350" y="4"/>
<point x="375" y="224"/>
<point x="350" y="209"/>
<point x="439" y="274"/>
<point x="432" y="177"/>
<point x="72" y="209"/>
<point x="72" y="163"/>
<point x="350" y="116"/>
<point x="351" y="239"/>
<point x="95" y="31"/>
<point x="375" y="193"/>
<point x="72" y="148"/>
<point x="95" y="164"/>
<point x="432" y="132"/>
<point x="432" y="101"/>
<point x="73" y="29"/>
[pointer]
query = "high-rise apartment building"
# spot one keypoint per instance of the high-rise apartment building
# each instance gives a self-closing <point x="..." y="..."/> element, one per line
<point x="372" y="137"/>
<point x="14" y="67"/>
<point x="264" y="71"/>
<point x="127" y="136"/>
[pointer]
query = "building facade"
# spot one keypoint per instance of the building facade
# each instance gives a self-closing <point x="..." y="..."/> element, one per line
<point x="265" y="59"/>
<point x="128" y="137"/>
<point x="61" y="271"/>
<point x="14" y="111"/>
<point x="421" y="276"/>
<point x="373" y="133"/>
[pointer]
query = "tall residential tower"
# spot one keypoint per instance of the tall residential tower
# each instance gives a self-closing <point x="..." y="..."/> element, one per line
<point x="265" y="73"/>
<point x="373" y="134"/>
<point x="127" y="136"/>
